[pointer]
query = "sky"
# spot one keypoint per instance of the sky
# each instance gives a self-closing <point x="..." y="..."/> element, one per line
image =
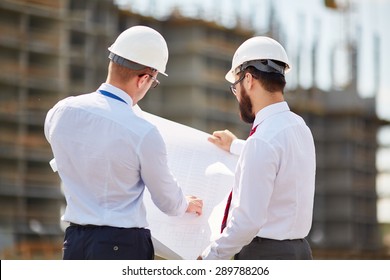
<point x="305" y="24"/>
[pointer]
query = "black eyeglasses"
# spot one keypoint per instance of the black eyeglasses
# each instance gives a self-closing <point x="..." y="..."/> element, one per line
<point x="233" y="86"/>
<point x="155" y="81"/>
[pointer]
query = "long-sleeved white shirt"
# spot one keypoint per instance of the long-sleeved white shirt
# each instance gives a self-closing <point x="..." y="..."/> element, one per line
<point x="105" y="155"/>
<point x="273" y="192"/>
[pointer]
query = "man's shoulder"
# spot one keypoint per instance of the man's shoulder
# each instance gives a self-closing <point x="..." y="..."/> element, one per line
<point x="72" y="100"/>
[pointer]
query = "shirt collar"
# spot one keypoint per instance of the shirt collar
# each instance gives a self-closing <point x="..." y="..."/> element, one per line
<point x="118" y="92"/>
<point x="269" y="111"/>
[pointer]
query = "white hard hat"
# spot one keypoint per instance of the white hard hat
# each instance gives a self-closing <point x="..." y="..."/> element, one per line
<point x="142" y="45"/>
<point x="256" y="49"/>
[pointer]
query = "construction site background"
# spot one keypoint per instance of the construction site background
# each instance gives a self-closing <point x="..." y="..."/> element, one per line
<point x="50" y="49"/>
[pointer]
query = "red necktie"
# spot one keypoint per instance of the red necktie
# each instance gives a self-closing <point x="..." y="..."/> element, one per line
<point x="229" y="200"/>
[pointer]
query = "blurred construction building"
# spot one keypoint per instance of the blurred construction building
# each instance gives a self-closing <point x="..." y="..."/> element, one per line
<point x="47" y="52"/>
<point x="50" y="49"/>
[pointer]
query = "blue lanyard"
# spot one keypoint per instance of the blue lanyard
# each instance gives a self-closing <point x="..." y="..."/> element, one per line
<point x="109" y="94"/>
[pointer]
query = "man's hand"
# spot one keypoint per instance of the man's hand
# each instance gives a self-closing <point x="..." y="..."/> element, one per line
<point x="223" y="139"/>
<point x="195" y="205"/>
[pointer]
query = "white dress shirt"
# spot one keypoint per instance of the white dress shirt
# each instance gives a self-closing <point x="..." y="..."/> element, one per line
<point x="273" y="192"/>
<point x="105" y="155"/>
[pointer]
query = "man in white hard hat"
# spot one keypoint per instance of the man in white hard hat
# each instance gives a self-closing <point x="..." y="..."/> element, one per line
<point x="269" y="211"/>
<point x="106" y="154"/>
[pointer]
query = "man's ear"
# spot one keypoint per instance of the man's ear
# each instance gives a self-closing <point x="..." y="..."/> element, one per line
<point x="141" y="80"/>
<point x="248" y="82"/>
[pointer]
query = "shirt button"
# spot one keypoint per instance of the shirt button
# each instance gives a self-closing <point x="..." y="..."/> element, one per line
<point x="116" y="248"/>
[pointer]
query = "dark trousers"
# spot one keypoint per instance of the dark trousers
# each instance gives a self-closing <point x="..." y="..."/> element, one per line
<point x="270" y="249"/>
<point x="107" y="243"/>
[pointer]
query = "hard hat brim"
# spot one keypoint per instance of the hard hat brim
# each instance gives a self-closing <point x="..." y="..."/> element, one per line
<point x="230" y="77"/>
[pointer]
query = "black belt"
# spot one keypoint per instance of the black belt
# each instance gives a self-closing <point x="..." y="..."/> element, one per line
<point x="96" y="226"/>
<point x="86" y="226"/>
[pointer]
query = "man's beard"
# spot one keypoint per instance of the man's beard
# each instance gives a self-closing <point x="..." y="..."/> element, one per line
<point x="245" y="105"/>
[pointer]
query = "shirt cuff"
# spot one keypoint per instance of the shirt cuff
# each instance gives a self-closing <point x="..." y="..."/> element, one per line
<point x="207" y="254"/>
<point x="237" y="146"/>
<point x="211" y="253"/>
<point x="184" y="207"/>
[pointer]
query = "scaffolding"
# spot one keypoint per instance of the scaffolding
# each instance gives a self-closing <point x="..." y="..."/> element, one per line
<point x="48" y="51"/>
<point x="39" y="57"/>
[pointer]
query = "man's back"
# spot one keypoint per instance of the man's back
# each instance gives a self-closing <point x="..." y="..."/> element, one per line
<point x="291" y="150"/>
<point x="96" y="155"/>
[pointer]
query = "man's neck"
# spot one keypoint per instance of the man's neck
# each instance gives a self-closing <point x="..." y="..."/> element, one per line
<point x="266" y="99"/>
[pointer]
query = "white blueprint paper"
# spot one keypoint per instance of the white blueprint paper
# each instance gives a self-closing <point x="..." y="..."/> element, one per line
<point x="203" y="170"/>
